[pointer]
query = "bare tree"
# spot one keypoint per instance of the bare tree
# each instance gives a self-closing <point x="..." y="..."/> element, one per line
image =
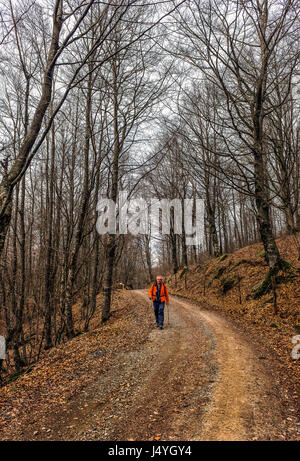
<point x="234" y="45"/>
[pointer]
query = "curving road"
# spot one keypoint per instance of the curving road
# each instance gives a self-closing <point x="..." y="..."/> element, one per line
<point x="198" y="379"/>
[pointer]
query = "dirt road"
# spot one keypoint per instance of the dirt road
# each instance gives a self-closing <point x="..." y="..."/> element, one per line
<point x="198" y="379"/>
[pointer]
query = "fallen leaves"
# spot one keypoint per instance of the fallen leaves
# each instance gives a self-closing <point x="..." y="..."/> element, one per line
<point x="66" y="370"/>
<point x="255" y="317"/>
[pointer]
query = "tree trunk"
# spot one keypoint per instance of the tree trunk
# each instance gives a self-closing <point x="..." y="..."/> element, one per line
<point x="272" y="255"/>
<point x="111" y="240"/>
<point x="49" y="282"/>
<point x="11" y="178"/>
<point x="148" y="257"/>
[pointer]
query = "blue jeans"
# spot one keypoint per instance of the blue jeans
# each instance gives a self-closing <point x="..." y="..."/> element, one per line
<point x="159" y="312"/>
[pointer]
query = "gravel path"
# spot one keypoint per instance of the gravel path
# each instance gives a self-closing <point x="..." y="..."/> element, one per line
<point x="198" y="379"/>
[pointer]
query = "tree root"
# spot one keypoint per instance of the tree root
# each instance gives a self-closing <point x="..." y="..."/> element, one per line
<point x="266" y="285"/>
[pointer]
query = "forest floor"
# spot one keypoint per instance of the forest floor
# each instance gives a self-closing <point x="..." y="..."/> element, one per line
<point x="204" y="377"/>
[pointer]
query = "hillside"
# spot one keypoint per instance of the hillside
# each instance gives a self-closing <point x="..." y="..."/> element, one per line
<point x="50" y="386"/>
<point x="225" y="285"/>
<point x="101" y="383"/>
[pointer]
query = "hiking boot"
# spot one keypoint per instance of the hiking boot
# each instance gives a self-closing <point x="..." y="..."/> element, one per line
<point x="161" y="327"/>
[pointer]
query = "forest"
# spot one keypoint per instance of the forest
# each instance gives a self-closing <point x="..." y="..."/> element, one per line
<point x="163" y="99"/>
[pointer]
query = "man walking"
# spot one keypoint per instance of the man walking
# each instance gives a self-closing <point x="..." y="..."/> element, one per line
<point x="158" y="293"/>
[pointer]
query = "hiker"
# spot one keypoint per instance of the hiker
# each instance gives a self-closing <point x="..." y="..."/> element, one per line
<point x="158" y="293"/>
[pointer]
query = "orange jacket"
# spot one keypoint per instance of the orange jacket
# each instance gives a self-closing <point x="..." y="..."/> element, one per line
<point x="164" y="296"/>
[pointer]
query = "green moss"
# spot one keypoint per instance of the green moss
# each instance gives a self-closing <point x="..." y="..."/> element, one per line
<point x="219" y="272"/>
<point x="184" y="271"/>
<point x="227" y="284"/>
<point x="222" y="257"/>
<point x="285" y="266"/>
<point x="266" y="285"/>
<point x="261" y="254"/>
